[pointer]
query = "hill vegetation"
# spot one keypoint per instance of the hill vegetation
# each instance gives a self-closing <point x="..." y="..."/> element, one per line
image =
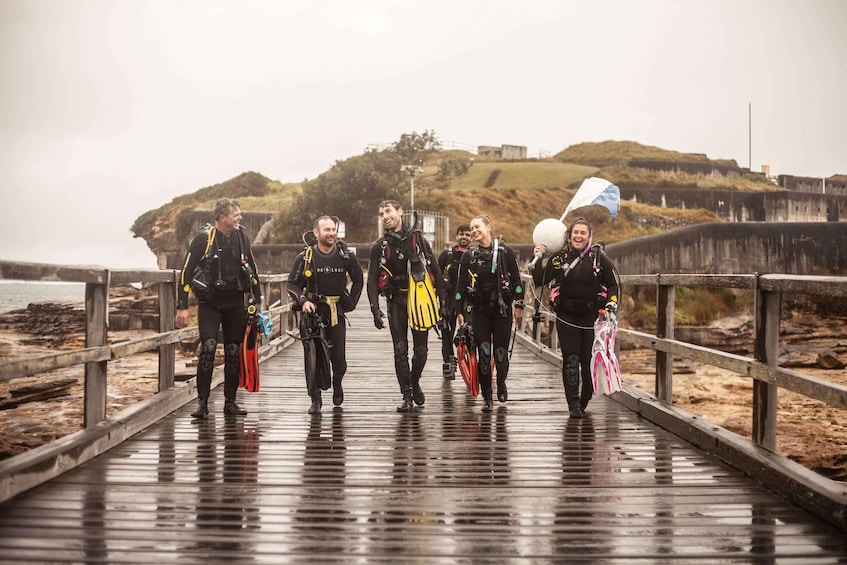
<point x="253" y="191"/>
<point x="606" y="153"/>
<point x="516" y="194"/>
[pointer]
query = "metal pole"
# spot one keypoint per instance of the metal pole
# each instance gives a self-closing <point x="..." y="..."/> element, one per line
<point x="412" y="169"/>
<point x="412" y="197"/>
<point x="750" y="135"/>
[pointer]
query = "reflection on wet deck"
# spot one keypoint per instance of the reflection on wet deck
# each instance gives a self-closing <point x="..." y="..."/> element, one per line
<point x="443" y="484"/>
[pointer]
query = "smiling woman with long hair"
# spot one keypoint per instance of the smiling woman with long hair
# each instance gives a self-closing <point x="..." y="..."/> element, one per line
<point x="583" y="280"/>
<point x="488" y="285"/>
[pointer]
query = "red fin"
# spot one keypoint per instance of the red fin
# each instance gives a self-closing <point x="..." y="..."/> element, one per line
<point x="248" y="358"/>
<point x="468" y="367"/>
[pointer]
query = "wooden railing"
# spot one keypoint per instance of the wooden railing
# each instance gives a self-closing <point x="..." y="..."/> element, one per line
<point x="756" y="456"/>
<point x="99" y="431"/>
<point x="767" y="291"/>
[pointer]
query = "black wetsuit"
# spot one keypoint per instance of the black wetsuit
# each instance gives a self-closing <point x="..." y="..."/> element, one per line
<point x="486" y="300"/>
<point x="448" y="262"/>
<point x="582" y="291"/>
<point x="326" y="286"/>
<point x="389" y="258"/>
<point x="230" y="259"/>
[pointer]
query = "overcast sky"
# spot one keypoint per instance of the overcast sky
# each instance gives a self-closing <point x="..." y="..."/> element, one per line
<point x="110" y="108"/>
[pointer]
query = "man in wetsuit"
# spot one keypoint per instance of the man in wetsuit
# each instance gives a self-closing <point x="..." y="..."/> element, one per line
<point x="224" y="252"/>
<point x="448" y="262"/>
<point x="388" y="269"/>
<point x="318" y="281"/>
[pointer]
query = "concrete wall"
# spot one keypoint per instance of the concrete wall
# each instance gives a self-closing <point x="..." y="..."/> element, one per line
<point x="795" y="238"/>
<point x="709" y="169"/>
<point x="813" y="184"/>
<point x="742" y="247"/>
<point x="734" y="206"/>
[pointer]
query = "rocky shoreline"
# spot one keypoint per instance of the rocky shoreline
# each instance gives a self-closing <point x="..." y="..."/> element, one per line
<point x="42" y="408"/>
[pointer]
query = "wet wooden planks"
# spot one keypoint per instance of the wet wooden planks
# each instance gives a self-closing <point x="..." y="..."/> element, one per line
<point x="443" y="484"/>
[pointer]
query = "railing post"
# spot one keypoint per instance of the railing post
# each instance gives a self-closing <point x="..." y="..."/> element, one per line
<point x="536" y="317"/>
<point x="291" y="315"/>
<point x="665" y="329"/>
<point x="167" y="352"/>
<point x="766" y="311"/>
<point x="96" y="333"/>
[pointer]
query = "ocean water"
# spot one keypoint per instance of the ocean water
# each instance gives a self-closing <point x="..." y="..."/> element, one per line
<point x="15" y="295"/>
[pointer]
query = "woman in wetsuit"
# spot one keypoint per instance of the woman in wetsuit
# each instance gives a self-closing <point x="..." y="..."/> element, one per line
<point x="488" y="286"/>
<point x="583" y="280"/>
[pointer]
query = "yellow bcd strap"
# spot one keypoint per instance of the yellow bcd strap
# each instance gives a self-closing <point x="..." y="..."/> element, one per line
<point x="307" y="260"/>
<point x="209" y="241"/>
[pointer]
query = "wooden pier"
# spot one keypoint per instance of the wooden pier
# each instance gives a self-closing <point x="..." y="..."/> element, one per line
<point x="443" y="484"/>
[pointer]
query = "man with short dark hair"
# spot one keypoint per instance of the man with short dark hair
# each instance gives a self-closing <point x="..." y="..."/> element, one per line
<point x="224" y="253"/>
<point x="388" y="275"/>
<point x="448" y="261"/>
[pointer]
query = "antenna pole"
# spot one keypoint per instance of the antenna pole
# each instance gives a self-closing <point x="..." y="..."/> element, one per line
<point x="750" y="135"/>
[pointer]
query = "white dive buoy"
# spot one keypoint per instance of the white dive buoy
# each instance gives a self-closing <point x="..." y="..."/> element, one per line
<point x="550" y="233"/>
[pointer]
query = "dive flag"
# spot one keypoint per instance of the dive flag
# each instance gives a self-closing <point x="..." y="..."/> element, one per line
<point x="598" y="191"/>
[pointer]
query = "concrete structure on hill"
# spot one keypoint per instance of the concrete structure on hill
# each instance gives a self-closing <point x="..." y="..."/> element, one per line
<point x="708" y="169"/>
<point x="502" y="152"/>
<point x="814" y="185"/>
<point x="737" y="206"/>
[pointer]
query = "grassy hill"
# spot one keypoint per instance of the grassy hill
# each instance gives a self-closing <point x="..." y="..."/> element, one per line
<point x="165" y="227"/>
<point x="516" y="194"/>
<point x="521" y="174"/>
<point x="605" y="153"/>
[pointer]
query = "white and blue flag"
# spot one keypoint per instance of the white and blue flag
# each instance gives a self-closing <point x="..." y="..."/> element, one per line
<point x="598" y="191"/>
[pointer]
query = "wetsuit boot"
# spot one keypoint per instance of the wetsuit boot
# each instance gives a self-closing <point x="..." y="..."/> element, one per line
<point x="570" y="380"/>
<point x="407" y="405"/>
<point x="487" y="402"/>
<point x="202" y="408"/>
<point x="233" y="409"/>
<point x="315" y="407"/>
<point x="417" y="393"/>
<point x="337" y="391"/>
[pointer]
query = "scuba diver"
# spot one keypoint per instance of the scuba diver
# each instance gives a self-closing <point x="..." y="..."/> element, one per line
<point x="318" y="283"/>
<point x="221" y="271"/>
<point x="402" y="268"/>
<point x="583" y="281"/>
<point x="448" y="262"/>
<point x="489" y="284"/>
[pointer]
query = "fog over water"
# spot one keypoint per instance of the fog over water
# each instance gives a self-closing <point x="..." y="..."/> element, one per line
<point x="16" y="295"/>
